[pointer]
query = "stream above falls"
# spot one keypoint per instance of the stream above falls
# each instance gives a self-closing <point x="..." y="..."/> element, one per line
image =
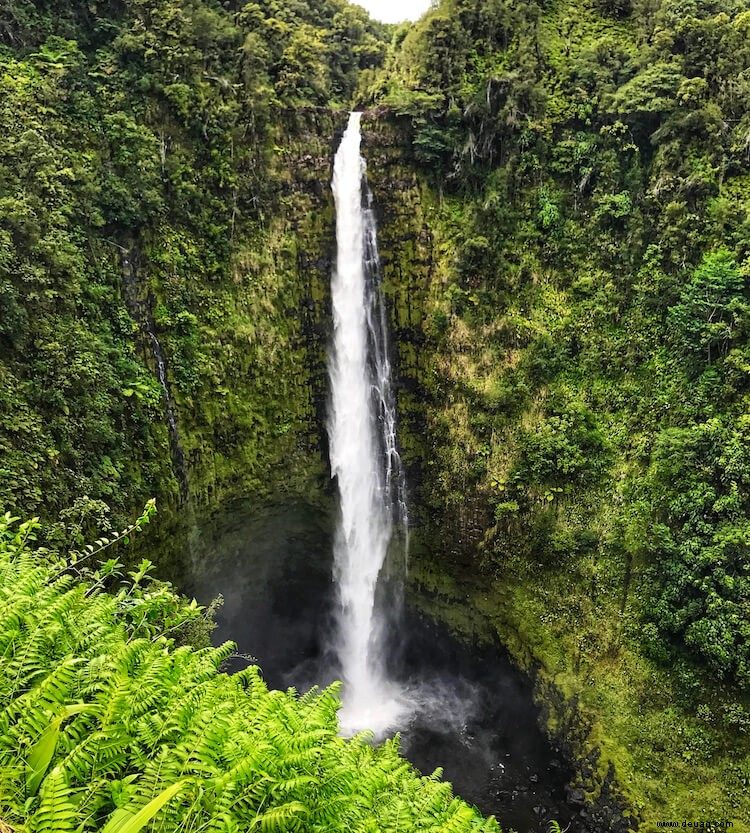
<point x="477" y="719"/>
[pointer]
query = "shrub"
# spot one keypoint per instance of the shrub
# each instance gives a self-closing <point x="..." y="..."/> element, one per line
<point x="106" y="725"/>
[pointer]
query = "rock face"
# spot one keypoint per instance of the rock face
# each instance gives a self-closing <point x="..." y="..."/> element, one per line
<point x="433" y="374"/>
<point x="270" y="379"/>
<point x="406" y="250"/>
<point x="187" y="363"/>
<point x="418" y="264"/>
<point x="259" y="429"/>
<point x="256" y="430"/>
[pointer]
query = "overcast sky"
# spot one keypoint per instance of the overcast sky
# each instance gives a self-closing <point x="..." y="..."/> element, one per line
<point x="394" y="11"/>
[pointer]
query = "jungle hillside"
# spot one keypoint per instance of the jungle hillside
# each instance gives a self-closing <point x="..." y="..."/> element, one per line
<point x="562" y="192"/>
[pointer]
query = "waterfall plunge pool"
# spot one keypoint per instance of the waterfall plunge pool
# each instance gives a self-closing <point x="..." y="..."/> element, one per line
<point x="477" y="720"/>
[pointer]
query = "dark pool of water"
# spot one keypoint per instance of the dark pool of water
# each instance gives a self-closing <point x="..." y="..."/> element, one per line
<point x="273" y="568"/>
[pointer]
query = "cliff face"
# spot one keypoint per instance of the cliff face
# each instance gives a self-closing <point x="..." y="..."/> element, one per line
<point x="535" y="554"/>
<point x="165" y="239"/>
<point x="253" y="421"/>
<point x="438" y="355"/>
<point x="187" y="378"/>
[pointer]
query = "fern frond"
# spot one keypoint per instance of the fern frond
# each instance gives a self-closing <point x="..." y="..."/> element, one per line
<point x="279" y="818"/>
<point x="57" y="811"/>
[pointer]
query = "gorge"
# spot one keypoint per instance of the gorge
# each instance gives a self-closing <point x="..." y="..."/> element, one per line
<point x="455" y="706"/>
<point x="561" y="198"/>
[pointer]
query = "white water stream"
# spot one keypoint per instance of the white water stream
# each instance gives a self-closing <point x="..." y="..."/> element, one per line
<point x="364" y="458"/>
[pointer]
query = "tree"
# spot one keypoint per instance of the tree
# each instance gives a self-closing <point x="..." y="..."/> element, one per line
<point x="712" y="310"/>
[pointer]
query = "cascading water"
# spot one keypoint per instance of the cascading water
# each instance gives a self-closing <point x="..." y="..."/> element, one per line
<point x="457" y="706"/>
<point x="385" y="400"/>
<point x="364" y="458"/>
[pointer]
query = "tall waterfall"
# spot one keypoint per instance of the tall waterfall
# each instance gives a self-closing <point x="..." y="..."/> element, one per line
<point x="364" y="457"/>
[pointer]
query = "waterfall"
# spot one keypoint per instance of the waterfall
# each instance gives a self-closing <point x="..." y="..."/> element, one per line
<point x="385" y="400"/>
<point x="364" y="457"/>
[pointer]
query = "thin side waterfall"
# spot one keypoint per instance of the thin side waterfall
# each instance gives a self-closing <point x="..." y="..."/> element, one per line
<point x="364" y="457"/>
<point x="385" y="400"/>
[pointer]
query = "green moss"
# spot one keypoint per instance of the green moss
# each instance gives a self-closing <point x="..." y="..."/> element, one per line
<point x="545" y="548"/>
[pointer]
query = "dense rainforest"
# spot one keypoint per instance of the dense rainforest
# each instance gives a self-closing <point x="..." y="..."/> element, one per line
<point x="144" y="164"/>
<point x="563" y="193"/>
<point x="585" y="310"/>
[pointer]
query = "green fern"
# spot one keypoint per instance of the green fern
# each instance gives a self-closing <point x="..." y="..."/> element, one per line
<point x="57" y="811"/>
<point x="106" y="726"/>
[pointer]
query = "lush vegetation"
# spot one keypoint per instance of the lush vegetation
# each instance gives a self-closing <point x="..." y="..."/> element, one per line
<point x="565" y="189"/>
<point x="148" y="151"/>
<point x="574" y="349"/>
<point x="106" y="724"/>
<point x="596" y="159"/>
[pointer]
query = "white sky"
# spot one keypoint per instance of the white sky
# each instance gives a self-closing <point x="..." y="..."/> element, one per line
<point x="394" y="11"/>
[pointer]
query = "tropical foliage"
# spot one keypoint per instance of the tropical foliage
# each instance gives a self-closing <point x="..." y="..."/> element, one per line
<point x="145" y="155"/>
<point x="593" y="162"/>
<point x="106" y="724"/>
<point x="570" y="296"/>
